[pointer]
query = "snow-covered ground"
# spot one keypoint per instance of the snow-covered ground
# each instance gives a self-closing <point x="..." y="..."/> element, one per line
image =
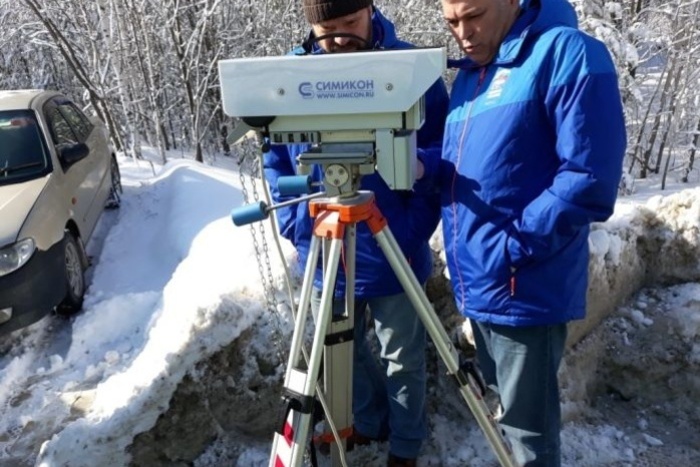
<point x="177" y="357"/>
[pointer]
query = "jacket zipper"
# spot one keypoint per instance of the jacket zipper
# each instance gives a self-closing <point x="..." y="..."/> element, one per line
<point x="467" y="119"/>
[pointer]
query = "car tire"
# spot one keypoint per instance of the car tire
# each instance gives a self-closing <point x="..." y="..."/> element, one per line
<point x="74" y="276"/>
<point x="115" y="191"/>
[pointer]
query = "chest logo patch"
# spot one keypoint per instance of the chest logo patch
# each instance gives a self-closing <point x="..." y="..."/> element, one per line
<point x="499" y="81"/>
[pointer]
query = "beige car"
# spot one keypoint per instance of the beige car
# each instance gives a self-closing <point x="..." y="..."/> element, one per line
<point x="57" y="174"/>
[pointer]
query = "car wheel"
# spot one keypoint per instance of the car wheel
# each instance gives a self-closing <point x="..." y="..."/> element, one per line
<point x="115" y="191"/>
<point x="74" y="277"/>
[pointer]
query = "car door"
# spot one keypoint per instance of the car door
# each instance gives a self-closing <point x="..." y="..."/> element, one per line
<point x="98" y="161"/>
<point x="74" y="178"/>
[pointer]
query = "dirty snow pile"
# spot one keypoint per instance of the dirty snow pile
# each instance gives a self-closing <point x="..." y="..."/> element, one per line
<point x="178" y="356"/>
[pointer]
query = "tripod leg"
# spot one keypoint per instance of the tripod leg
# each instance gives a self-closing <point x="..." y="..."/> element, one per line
<point x="290" y="438"/>
<point x="302" y="312"/>
<point x="466" y="383"/>
<point x="288" y="442"/>
<point x="338" y="356"/>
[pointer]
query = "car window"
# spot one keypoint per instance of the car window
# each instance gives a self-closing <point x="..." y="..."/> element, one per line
<point x="61" y="131"/>
<point x="23" y="153"/>
<point x="77" y="120"/>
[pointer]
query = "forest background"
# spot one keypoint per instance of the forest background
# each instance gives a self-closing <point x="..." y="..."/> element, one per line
<point x="148" y="68"/>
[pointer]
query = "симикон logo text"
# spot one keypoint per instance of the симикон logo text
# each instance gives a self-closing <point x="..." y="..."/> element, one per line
<point x="348" y="89"/>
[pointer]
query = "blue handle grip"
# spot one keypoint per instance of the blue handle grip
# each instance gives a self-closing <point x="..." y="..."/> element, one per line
<point x="291" y="185"/>
<point x="244" y="215"/>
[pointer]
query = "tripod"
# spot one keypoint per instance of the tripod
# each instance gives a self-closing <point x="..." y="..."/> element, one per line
<point x="335" y="223"/>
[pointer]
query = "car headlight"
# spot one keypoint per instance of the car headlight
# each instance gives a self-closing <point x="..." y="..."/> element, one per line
<point x="16" y="255"/>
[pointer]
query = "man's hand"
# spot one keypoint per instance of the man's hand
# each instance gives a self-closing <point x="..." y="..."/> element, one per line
<point x="420" y="170"/>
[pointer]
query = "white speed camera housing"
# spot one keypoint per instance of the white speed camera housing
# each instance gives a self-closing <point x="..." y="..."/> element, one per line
<point x="328" y="99"/>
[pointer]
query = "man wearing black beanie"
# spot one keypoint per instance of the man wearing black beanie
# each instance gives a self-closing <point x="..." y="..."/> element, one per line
<point x="388" y="401"/>
<point x="317" y="11"/>
<point x="340" y="19"/>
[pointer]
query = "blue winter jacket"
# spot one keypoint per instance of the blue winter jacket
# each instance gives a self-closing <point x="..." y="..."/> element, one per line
<point x="412" y="215"/>
<point x="533" y="150"/>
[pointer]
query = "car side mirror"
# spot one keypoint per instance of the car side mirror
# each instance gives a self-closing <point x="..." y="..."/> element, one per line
<point x="72" y="153"/>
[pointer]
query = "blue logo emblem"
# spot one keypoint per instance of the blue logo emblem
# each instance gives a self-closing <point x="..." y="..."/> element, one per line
<point x="306" y="90"/>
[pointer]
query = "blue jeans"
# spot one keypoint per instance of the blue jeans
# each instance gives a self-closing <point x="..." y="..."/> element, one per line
<point x="521" y="364"/>
<point x="388" y="400"/>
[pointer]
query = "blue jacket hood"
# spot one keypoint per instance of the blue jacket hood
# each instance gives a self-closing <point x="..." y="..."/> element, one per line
<point x="536" y="16"/>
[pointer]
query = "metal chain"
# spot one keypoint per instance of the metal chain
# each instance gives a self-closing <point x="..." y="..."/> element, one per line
<point x="262" y="256"/>
<point x="272" y="298"/>
<point x="256" y="247"/>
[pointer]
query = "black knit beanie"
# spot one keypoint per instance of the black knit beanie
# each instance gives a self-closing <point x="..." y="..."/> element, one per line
<point x="317" y="11"/>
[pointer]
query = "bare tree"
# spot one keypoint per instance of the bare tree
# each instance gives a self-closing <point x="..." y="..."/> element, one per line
<point x="75" y="58"/>
<point x="149" y="67"/>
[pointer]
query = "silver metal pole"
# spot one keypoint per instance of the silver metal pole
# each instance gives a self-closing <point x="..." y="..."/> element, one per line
<point x="338" y="355"/>
<point x="297" y="381"/>
<point x="467" y="386"/>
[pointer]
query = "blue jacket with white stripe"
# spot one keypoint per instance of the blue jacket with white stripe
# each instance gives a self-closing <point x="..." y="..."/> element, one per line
<point x="412" y="216"/>
<point x="532" y="154"/>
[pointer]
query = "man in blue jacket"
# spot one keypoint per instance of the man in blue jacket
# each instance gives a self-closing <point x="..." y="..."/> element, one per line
<point x="387" y="403"/>
<point x="533" y="151"/>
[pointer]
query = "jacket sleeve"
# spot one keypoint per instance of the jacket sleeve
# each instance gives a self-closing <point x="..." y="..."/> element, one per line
<point x="582" y="101"/>
<point x="423" y="203"/>
<point x="431" y="133"/>
<point x="278" y="163"/>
